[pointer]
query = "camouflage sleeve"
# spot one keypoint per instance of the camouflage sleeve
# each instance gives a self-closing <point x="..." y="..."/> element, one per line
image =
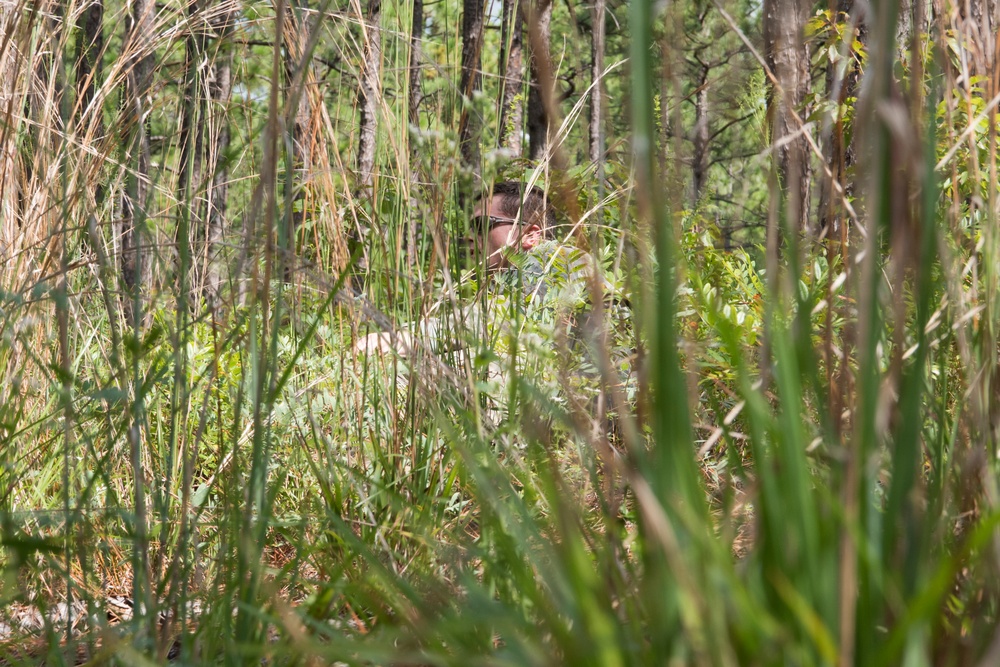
<point x="450" y="329"/>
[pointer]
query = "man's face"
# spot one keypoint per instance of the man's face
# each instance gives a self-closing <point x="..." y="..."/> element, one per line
<point x="491" y="237"/>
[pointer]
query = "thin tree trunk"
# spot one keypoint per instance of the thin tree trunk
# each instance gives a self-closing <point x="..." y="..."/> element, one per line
<point x="413" y="222"/>
<point x="313" y="134"/>
<point x="44" y="65"/>
<point x="512" y="82"/>
<point x="416" y="32"/>
<point x="912" y="20"/>
<point x="296" y="39"/>
<point x="982" y="24"/>
<point x="700" y="138"/>
<point x="89" y="47"/>
<point x="192" y="206"/>
<point x="904" y="25"/>
<point x="472" y="45"/>
<point x="538" y="117"/>
<point x="9" y="104"/>
<point x="829" y="209"/>
<point x="210" y="143"/>
<point x="597" y="94"/>
<point x="788" y="60"/>
<point x="134" y="251"/>
<point x="134" y="258"/>
<point x="370" y="94"/>
<point x="220" y="86"/>
<point x="840" y="156"/>
<point x="43" y="109"/>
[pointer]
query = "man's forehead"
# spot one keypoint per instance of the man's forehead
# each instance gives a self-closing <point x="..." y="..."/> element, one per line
<point x="487" y="203"/>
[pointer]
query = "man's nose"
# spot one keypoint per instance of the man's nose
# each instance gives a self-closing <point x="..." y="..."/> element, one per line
<point x="471" y="241"/>
<point x="467" y="247"/>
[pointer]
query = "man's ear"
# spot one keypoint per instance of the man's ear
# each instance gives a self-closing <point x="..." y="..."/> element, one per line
<point x="531" y="237"/>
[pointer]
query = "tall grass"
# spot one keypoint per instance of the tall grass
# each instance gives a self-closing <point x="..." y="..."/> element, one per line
<point x="258" y="491"/>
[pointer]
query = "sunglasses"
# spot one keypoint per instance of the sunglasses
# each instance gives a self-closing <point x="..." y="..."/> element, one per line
<point x="484" y="223"/>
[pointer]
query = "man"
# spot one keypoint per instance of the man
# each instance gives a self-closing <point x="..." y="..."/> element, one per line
<point x="506" y="224"/>
<point x="535" y="313"/>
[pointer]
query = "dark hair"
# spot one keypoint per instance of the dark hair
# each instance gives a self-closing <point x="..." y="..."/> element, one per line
<point x="534" y="205"/>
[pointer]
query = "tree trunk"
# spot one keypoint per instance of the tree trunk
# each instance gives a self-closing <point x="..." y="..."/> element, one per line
<point x="788" y="59"/>
<point x="89" y="48"/>
<point x="416" y="32"/>
<point x="296" y="40"/>
<point x="192" y="208"/>
<point x="699" y="140"/>
<point x="10" y="102"/>
<point x="538" y="117"/>
<point x="134" y="257"/>
<point x="414" y="221"/>
<point x="44" y="131"/>
<point x="913" y="19"/>
<point x="512" y="81"/>
<point x="472" y="45"/>
<point x="220" y="87"/>
<point x="207" y="167"/>
<point x="981" y="23"/>
<point x="313" y="134"/>
<point x="39" y="104"/>
<point x="904" y="25"/>
<point x="370" y="94"/>
<point x="597" y="94"/>
<point x="840" y="156"/>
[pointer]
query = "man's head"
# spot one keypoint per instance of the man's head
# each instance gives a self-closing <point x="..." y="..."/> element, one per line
<point x="513" y="218"/>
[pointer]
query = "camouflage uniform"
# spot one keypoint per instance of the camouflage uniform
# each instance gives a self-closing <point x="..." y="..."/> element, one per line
<point x="540" y="307"/>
